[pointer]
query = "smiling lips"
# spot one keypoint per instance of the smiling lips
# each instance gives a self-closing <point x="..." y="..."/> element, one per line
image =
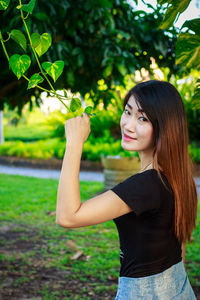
<point x="128" y="138"/>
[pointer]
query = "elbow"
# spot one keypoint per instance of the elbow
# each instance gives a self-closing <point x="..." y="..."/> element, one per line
<point x="63" y="223"/>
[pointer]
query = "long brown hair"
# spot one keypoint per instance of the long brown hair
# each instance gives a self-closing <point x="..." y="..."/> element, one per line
<point x="164" y="107"/>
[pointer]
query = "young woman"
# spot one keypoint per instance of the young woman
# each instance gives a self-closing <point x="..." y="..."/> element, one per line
<point x="154" y="210"/>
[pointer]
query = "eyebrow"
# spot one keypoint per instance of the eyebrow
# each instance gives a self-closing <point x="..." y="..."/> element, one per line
<point x="139" y="109"/>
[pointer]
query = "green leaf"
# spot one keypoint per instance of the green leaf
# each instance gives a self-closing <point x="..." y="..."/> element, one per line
<point x="76" y="51"/>
<point x="75" y="104"/>
<point x="27" y="7"/>
<point x="54" y="69"/>
<point x="4" y="4"/>
<point x="193" y="25"/>
<point x="103" y="3"/>
<point x="107" y="71"/>
<point x="188" y="50"/>
<point x="131" y="68"/>
<point x="19" y="38"/>
<point x="70" y="77"/>
<point x="19" y="64"/>
<point x="175" y="8"/>
<point x="122" y="69"/>
<point x="88" y="110"/>
<point x="41" y="43"/>
<point x="80" y="60"/>
<point x="35" y="39"/>
<point x="35" y="80"/>
<point x="196" y="99"/>
<point x="65" y="93"/>
<point x="42" y="16"/>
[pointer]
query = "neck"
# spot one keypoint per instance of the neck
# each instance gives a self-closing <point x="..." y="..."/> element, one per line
<point x="147" y="167"/>
<point x="146" y="160"/>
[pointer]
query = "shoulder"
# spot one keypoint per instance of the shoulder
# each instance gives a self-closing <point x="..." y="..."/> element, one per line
<point x="143" y="183"/>
<point x="150" y="174"/>
<point x="152" y="177"/>
<point x="148" y="179"/>
<point x="140" y="191"/>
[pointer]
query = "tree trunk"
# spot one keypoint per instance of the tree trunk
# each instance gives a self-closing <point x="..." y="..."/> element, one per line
<point x="1" y="127"/>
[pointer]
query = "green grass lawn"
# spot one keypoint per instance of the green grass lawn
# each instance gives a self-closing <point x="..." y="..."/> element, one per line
<point x="37" y="256"/>
<point x="31" y="239"/>
<point x="27" y="132"/>
<point x="32" y="126"/>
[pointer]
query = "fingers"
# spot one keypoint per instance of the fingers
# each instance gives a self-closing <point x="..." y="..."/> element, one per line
<point x="85" y="115"/>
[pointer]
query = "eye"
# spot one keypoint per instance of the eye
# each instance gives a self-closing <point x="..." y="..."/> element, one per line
<point x="144" y="119"/>
<point x="126" y="111"/>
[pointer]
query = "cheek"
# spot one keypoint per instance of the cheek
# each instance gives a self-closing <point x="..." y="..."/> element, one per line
<point x="145" y="132"/>
<point x="122" y="121"/>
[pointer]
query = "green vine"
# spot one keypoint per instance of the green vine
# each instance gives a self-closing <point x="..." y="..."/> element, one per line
<point x="39" y="45"/>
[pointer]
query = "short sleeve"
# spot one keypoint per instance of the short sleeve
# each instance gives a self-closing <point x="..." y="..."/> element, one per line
<point x="141" y="192"/>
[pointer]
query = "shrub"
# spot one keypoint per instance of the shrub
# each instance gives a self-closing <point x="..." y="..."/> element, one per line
<point x="186" y="88"/>
<point x="102" y="124"/>
<point x="194" y="151"/>
<point x="42" y="149"/>
<point x="91" y="151"/>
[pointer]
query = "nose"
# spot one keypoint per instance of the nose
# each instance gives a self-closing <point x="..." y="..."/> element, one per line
<point x="129" y="125"/>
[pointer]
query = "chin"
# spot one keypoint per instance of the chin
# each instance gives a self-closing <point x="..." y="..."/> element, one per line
<point x="127" y="147"/>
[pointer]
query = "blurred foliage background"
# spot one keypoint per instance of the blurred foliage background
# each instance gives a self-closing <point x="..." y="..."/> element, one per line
<point x="107" y="47"/>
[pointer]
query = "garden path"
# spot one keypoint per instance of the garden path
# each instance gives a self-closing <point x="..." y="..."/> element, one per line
<point x="46" y="173"/>
<point x="54" y="174"/>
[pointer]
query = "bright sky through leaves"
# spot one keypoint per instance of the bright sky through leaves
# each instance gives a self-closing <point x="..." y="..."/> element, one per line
<point x="192" y="12"/>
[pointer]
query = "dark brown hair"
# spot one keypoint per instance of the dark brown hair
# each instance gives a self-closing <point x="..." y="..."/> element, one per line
<point x="164" y="107"/>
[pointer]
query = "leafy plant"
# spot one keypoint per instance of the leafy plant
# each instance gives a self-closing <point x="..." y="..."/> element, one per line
<point x="39" y="44"/>
<point x="186" y="87"/>
<point x="95" y="39"/>
<point x="187" y="46"/>
<point x="174" y="9"/>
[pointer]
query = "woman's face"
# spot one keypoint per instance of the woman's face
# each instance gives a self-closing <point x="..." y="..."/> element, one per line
<point x="136" y="129"/>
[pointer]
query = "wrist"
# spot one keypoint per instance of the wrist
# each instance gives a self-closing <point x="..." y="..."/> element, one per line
<point x="74" y="146"/>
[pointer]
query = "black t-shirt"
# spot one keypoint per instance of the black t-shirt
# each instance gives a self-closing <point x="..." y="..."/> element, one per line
<point x="148" y="244"/>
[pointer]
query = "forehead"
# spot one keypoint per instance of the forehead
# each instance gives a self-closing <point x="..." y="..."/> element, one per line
<point x="134" y="105"/>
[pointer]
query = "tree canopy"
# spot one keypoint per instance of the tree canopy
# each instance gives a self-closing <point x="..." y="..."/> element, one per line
<point x="95" y="39"/>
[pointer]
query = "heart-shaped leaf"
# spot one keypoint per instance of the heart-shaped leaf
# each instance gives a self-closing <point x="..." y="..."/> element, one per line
<point x="41" y="43"/>
<point x="35" y="38"/>
<point x="4" y="4"/>
<point x="54" y="69"/>
<point x="19" y="64"/>
<point x="18" y="37"/>
<point x="27" y="7"/>
<point x="88" y="110"/>
<point x="75" y="104"/>
<point x="35" y="80"/>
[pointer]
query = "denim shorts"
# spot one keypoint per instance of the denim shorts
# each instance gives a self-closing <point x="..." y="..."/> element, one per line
<point x="172" y="284"/>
